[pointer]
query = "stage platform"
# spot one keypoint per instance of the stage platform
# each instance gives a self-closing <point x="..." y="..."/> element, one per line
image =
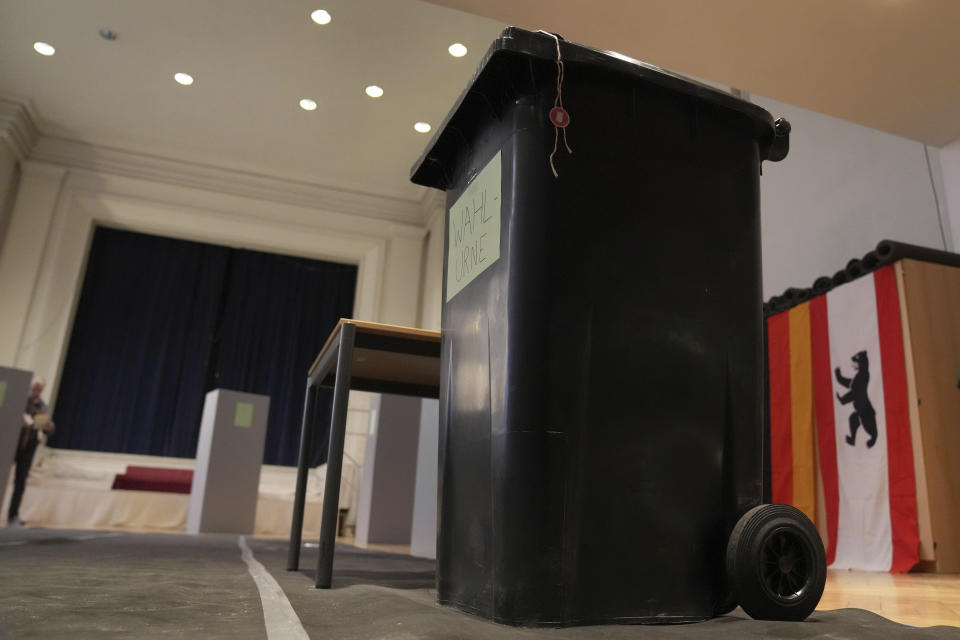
<point x="72" y="489"/>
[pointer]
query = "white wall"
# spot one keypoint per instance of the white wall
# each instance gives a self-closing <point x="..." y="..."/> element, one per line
<point x="401" y="288"/>
<point x="432" y="288"/>
<point x="25" y="254"/>
<point x="9" y="179"/>
<point x="842" y="189"/>
<point x="18" y="134"/>
<point x="950" y="167"/>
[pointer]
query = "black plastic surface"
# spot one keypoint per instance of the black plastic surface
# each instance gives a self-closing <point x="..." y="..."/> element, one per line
<point x="512" y="68"/>
<point x="889" y="251"/>
<point x="601" y="405"/>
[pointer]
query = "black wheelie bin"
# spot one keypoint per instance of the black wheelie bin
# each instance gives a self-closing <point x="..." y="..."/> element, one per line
<point x="601" y="391"/>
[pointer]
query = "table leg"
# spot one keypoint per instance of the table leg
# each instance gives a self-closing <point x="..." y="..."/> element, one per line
<point x="338" y="428"/>
<point x="303" y="470"/>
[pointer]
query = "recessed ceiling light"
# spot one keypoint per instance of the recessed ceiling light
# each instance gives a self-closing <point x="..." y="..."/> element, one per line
<point x="44" y="49"/>
<point x="422" y="127"/>
<point x="457" y="50"/>
<point x="374" y="91"/>
<point x="320" y="17"/>
<point x="183" y="78"/>
<point x="307" y="104"/>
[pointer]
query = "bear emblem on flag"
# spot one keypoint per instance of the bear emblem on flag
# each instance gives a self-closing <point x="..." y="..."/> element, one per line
<point x="863" y="412"/>
<point x="869" y="512"/>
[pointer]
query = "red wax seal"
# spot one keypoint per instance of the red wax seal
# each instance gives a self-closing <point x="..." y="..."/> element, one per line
<point x="559" y="117"/>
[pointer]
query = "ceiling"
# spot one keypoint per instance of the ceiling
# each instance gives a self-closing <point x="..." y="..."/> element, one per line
<point x="252" y="60"/>
<point x="888" y="64"/>
<point x="893" y="65"/>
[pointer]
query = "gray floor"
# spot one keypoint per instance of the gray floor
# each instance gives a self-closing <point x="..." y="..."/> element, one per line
<point x="77" y="585"/>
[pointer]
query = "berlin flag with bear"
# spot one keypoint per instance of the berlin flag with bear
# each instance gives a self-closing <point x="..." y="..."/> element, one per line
<point x="837" y="371"/>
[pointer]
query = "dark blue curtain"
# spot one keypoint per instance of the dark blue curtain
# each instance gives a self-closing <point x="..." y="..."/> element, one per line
<point x="160" y="322"/>
<point x="277" y="313"/>
<point x="137" y="362"/>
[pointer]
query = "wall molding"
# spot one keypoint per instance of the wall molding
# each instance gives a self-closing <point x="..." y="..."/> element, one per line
<point x="21" y="131"/>
<point x="79" y="211"/>
<point x="18" y="127"/>
<point x="434" y="201"/>
<point x="235" y="208"/>
<point x="109" y="160"/>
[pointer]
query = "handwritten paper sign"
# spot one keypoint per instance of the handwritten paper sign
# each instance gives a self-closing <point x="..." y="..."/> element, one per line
<point x="474" y="240"/>
<point x="243" y="415"/>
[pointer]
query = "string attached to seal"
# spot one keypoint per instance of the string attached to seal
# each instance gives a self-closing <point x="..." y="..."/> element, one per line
<point x="559" y="117"/>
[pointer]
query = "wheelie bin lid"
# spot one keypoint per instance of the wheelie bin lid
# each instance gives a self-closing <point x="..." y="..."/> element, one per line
<point x="493" y="85"/>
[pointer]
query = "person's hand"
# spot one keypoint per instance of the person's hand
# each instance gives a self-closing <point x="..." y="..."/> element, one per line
<point x="48" y="427"/>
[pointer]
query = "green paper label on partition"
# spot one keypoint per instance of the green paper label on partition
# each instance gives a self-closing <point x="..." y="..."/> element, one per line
<point x="474" y="236"/>
<point x="3" y="391"/>
<point x="243" y="416"/>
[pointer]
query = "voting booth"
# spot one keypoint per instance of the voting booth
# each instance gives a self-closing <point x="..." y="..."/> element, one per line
<point x="423" y="533"/>
<point x="14" y="390"/>
<point x="226" y="478"/>
<point x="864" y="403"/>
<point x="386" y="491"/>
<point x="601" y="378"/>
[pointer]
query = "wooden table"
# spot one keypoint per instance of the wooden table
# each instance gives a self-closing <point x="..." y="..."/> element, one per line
<point x="366" y="356"/>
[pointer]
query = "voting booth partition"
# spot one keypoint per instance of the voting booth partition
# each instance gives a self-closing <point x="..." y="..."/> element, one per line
<point x="423" y="533"/>
<point x="601" y="395"/>
<point x="397" y="493"/>
<point x="388" y="477"/>
<point x="864" y="389"/>
<point x="226" y="478"/>
<point x="14" y="390"/>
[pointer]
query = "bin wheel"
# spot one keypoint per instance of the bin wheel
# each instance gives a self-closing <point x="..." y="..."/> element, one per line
<point x="776" y="564"/>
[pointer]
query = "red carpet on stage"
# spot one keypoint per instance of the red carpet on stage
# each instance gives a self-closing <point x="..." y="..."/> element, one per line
<point x="154" y="479"/>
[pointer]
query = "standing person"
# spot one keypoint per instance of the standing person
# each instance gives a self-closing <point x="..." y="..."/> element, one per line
<point x="36" y="418"/>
